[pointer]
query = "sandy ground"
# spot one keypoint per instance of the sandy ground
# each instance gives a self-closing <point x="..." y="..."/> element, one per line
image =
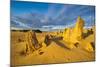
<point x="56" y="52"/>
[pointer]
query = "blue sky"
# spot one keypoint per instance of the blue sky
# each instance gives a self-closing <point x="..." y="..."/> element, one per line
<point x="48" y="16"/>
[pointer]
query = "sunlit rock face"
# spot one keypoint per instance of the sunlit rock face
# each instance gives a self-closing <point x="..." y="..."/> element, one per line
<point x="67" y="34"/>
<point x="75" y="34"/>
<point x="77" y="30"/>
<point x="32" y="42"/>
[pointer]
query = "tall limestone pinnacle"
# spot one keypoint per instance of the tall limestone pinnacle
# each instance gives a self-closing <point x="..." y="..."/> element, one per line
<point x="75" y="34"/>
<point x="78" y="29"/>
<point x="32" y="42"/>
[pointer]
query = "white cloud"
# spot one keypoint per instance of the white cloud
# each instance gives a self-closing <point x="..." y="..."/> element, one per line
<point x="20" y="23"/>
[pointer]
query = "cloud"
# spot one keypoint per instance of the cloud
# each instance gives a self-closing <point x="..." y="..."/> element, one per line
<point x="20" y="23"/>
<point x="44" y="20"/>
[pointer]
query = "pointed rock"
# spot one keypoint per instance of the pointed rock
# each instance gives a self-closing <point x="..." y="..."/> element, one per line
<point x="78" y="30"/>
<point x="31" y="42"/>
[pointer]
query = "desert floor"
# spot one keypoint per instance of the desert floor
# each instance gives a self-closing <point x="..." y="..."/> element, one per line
<point x="56" y="52"/>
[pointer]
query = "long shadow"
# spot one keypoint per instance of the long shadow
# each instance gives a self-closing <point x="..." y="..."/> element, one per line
<point x="56" y="40"/>
<point x="60" y="44"/>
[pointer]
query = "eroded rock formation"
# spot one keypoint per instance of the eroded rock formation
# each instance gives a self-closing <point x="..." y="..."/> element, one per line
<point x="31" y="42"/>
<point x="77" y="33"/>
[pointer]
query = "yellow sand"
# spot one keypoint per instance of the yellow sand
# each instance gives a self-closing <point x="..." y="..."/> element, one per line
<point x="53" y="53"/>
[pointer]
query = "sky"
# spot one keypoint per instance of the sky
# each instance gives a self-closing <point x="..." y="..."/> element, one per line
<point x="49" y="16"/>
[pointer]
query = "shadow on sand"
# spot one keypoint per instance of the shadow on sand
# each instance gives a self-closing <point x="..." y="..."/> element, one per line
<point x="56" y="40"/>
